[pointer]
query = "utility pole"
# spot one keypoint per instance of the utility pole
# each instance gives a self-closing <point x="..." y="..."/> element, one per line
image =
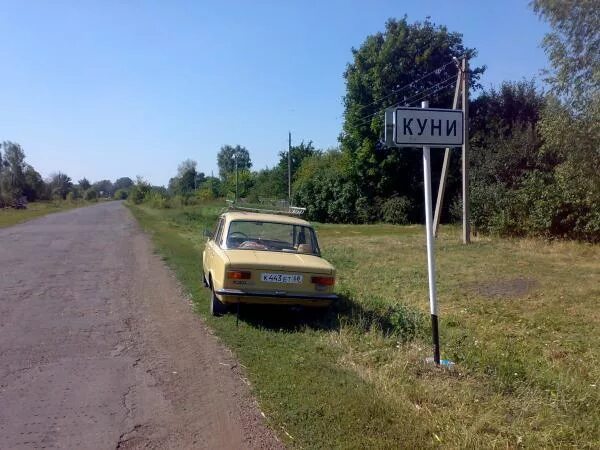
<point x="235" y="156"/>
<point x="466" y="228"/>
<point x="446" y="165"/>
<point x="289" y="168"/>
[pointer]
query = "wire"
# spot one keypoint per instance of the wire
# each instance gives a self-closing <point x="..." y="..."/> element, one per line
<point x="436" y="71"/>
<point x="423" y="93"/>
<point x="447" y="85"/>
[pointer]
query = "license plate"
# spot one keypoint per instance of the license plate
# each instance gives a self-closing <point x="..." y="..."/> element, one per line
<point x="281" y="278"/>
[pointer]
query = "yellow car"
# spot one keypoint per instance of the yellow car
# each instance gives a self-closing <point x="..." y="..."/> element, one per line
<point x="263" y="258"/>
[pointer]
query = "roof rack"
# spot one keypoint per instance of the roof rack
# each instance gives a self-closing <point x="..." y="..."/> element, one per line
<point x="287" y="211"/>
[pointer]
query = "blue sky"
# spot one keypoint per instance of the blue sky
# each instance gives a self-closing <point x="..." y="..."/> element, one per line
<point x="123" y="88"/>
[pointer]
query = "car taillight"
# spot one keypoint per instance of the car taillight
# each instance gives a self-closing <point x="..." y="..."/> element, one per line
<point x="238" y="275"/>
<point x="324" y="281"/>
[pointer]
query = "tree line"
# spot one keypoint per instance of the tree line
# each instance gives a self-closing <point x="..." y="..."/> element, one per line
<point x="21" y="183"/>
<point x="535" y="154"/>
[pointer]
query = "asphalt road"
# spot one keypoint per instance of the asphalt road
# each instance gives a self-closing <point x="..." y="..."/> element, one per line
<point x="99" y="348"/>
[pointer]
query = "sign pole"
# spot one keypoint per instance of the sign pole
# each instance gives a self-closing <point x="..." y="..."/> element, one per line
<point x="466" y="233"/>
<point x="430" y="249"/>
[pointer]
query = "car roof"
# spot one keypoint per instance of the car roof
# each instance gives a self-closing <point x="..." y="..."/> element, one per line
<point x="262" y="217"/>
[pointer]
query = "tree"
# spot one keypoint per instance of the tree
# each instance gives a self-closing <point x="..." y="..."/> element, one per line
<point x="187" y="179"/>
<point x="226" y="160"/>
<point x="122" y="183"/>
<point x="570" y="124"/>
<point x="60" y="185"/>
<point x="34" y="186"/>
<point x="84" y="184"/>
<point x="104" y="188"/>
<point x="573" y="47"/>
<point x="139" y="191"/>
<point x="395" y="67"/>
<point x="323" y="187"/>
<point x="12" y="177"/>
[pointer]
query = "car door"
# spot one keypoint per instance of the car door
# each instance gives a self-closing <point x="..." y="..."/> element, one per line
<point x="211" y="247"/>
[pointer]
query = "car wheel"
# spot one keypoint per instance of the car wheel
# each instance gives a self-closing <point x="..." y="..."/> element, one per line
<point x="216" y="307"/>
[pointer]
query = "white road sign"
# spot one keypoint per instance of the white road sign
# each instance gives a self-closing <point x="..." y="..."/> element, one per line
<point x="418" y="127"/>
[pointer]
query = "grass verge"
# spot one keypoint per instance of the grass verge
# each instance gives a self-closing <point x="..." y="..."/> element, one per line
<point x="518" y="316"/>
<point x="11" y="216"/>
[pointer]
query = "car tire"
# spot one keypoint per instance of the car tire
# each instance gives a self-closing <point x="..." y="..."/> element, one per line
<point x="216" y="307"/>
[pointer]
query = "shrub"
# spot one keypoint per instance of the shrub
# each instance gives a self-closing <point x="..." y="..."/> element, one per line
<point x="157" y="200"/>
<point x="396" y="210"/>
<point x="90" y="195"/>
<point x="121" y="194"/>
<point x="70" y="197"/>
<point x="205" y="194"/>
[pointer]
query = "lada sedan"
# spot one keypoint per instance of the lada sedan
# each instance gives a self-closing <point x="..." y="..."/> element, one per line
<point x="263" y="258"/>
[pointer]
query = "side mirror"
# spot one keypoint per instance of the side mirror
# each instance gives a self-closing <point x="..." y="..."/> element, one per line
<point x="207" y="233"/>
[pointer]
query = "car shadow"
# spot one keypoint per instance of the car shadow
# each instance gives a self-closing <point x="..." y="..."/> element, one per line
<point x="345" y="311"/>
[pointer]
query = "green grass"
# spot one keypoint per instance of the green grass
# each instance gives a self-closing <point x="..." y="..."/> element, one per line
<point x="11" y="216"/>
<point x="517" y="316"/>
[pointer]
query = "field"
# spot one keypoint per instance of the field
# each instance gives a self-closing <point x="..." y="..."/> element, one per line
<point x="518" y="317"/>
<point x="10" y="216"/>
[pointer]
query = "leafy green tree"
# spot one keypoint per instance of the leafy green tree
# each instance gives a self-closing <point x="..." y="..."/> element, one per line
<point x="323" y="187"/>
<point x="570" y="124"/>
<point x="139" y="191"/>
<point x="104" y="188"/>
<point x="187" y="179"/>
<point x="34" y="187"/>
<point x="121" y="194"/>
<point x="12" y="177"/>
<point x="226" y="160"/>
<point x="60" y="185"/>
<point x="122" y="183"/>
<point x="573" y="47"/>
<point x="84" y="184"/>
<point x="391" y="68"/>
<point x="245" y="182"/>
<point x="214" y="186"/>
<point x="91" y="195"/>
<point x="273" y="183"/>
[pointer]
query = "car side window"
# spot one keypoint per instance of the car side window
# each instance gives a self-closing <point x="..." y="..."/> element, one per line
<point x="219" y="231"/>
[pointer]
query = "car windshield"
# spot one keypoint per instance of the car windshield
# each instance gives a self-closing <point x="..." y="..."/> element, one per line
<point x="271" y="236"/>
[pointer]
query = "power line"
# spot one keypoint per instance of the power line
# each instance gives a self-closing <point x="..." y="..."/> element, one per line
<point x="424" y="93"/>
<point x="436" y="71"/>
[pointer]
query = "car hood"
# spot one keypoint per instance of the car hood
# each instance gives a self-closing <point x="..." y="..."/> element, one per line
<point x="253" y="259"/>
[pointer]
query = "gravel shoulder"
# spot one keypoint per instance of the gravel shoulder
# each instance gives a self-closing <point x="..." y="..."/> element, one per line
<point x="99" y="347"/>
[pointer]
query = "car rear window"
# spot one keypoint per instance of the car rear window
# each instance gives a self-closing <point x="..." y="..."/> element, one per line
<point x="271" y="236"/>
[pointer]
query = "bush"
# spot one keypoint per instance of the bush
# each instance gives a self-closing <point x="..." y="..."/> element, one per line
<point x="368" y="210"/>
<point x="70" y="197"/>
<point x="90" y="195"/>
<point x="205" y="194"/>
<point x="121" y="194"/>
<point x="396" y="210"/>
<point x="157" y="200"/>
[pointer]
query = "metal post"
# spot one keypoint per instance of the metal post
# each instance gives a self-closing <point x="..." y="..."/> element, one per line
<point x="444" y="175"/>
<point x="236" y="177"/>
<point x="430" y="249"/>
<point x="289" y="168"/>
<point x="466" y="231"/>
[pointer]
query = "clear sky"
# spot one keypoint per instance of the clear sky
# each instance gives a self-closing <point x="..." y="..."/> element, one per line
<point x="105" y="89"/>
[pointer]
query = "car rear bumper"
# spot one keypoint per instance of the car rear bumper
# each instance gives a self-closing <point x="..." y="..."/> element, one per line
<point x="279" y="298"/>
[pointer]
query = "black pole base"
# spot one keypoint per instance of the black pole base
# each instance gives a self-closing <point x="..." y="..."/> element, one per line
<point x="436" y="339"/>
